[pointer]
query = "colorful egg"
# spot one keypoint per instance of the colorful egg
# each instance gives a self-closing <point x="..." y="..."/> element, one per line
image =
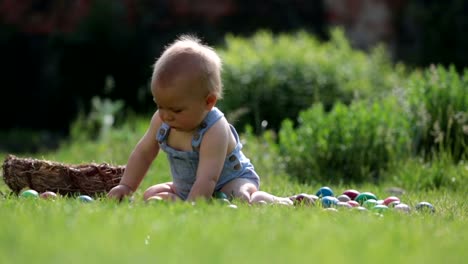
<point x="304" y="199"/>
<point x="85" y="198"/>
<point x="48" y="195"/>
<point x="401" y="207"/>
<point x="343" y="198"/>
<point x="390" y="199"/>
<point x="220" y="195"/>
<point x="154" y="199"/>
<point x="329" y="201"/>
<point x="30" y="194"/>
<point x="364" y="197"/>
<point x="370" y="203"/>
<point x="425" y="207"/>
<point x="353" y="203"/>
<point x="351" y="193"/>
<point x="393" y="204"/>
<point x="380" y="208"/>
<point x="324" y="191"/>
<point x="343" y="204"/>
<point x="360" y="208"/>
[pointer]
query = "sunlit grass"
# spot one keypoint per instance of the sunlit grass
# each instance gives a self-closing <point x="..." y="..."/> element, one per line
<point x="68" y="231"/>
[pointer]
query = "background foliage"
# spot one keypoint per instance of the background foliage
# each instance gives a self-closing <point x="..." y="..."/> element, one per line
<point x="271" y="77"/>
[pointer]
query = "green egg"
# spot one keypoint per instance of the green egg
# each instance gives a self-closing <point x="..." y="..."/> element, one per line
<point x="30" y="194"/>
<point x="220" y="195"/>
<point x="362" y="197"/>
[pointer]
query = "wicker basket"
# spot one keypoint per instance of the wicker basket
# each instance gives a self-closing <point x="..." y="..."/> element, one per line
<point x="66" y="179"/>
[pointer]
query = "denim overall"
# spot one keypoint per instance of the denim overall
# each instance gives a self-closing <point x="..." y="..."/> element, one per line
<point x="184" y="164"/>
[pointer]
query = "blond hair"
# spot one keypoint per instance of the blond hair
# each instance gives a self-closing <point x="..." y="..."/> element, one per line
<point x="189" y="51"/>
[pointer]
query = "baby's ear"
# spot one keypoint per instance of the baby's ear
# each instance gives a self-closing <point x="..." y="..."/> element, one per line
<point x="210" y="101"/>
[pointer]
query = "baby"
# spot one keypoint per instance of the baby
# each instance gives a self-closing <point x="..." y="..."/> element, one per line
<point x="203" y="149"/>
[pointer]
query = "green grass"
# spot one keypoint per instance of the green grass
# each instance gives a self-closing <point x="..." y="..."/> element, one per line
<point x="68" y="231"/>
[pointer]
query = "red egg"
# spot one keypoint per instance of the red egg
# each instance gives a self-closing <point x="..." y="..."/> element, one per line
<point x="351" y="193"/>
<point x="48" y="195"/>
<point x="304" y="199"/>
<point x="391" y="199"/>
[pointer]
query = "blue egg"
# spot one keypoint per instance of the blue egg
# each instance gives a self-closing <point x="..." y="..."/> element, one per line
<point x="329" y="201"/>
<point x="324" y="191"/>
<point x="85" y="198"/>
<point x="425" y="207"/>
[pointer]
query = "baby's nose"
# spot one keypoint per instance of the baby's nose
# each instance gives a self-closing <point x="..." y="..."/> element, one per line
<point x="165" y="115"/>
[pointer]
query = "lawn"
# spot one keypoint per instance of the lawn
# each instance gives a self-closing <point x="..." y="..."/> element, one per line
<point x="66" y="230"/>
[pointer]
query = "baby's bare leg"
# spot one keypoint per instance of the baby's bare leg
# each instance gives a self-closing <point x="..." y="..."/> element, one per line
<point x="240" y="188"/>
<point x="246" y="190"/>
<point x="264" y="197"/>
<point x="164" y="190"/>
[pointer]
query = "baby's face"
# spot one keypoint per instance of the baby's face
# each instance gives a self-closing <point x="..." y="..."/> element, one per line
<point x="181" y="102"/>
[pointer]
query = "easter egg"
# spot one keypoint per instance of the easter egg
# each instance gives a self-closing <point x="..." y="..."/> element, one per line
<point x="220" y="195"/>
<point x="343" y="205"/>
<point x="343" y="198"/>
<point x="370" y="203"/>
<point x="304" y="199"/>
<point x="29" y="194"/>
<point x="380" y="208"/>
<point x="393" y="204"/>
<point x="155" y="199"/>
<point x="85" y="198"/>
<point x="351" y="193"/>
<point x="390" y="199"/>
<point x="353" y="203"/>
<point x="232" y="206"/>
<point x="401" y="207"/>
<point x="425" y="207"/>
<point x="364" y="197"/>
<point x="361" y="208"/>
<point x="48" y="195"/>
<point x="324" y="191"/>
<point x="329" y="201"/>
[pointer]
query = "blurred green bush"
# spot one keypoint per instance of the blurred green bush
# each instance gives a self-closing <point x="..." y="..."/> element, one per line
<point x="438" y="101"/>
<point x="268" y="78"/>
<point x="353" y="143"/>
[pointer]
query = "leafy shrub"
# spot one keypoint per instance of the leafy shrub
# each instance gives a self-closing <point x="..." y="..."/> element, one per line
<point x="440" y="172"/>
<point x="272" y="77"/>
<point x="438" y="99"/>
<point x="349" y="144"/>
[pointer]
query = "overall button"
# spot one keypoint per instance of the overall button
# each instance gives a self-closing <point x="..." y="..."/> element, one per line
<point x="237" y="167"/>
<point x="203" y="125"/>
<point x="232" y="158"/>
<point x="196" y="136"/>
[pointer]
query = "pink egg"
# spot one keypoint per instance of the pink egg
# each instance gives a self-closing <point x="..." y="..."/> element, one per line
<point x="353" y="203"/>
<point x="48" y="195"/>
<point x="390" y="199"/>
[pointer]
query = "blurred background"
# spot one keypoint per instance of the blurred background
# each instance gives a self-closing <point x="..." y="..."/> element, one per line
<point x="56" y="56"/>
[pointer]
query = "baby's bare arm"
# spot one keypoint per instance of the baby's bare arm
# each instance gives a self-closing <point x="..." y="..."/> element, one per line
<point x="139" y="161"/>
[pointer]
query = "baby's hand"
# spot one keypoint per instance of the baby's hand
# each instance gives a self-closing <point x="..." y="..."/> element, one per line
<point x="119" y="192"/>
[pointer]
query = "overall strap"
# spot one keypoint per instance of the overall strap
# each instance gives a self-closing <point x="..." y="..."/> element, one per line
<point x="163" y="132"/>
<point x="211" y="118"/>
